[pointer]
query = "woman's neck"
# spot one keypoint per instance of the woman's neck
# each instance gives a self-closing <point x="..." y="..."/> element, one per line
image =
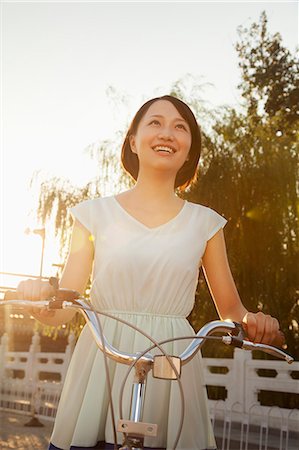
<point x="153" y="191"/>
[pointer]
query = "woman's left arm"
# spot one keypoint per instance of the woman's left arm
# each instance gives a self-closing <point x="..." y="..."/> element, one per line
<point x="259" y="326"/>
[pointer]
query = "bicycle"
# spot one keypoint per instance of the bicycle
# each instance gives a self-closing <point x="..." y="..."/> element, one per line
<point x="162" y="365"/>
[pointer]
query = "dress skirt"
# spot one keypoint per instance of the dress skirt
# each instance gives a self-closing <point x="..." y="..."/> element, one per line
<point x="83" y="416"/>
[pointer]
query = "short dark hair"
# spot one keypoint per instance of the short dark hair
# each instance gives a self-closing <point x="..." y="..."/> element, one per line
<point x="187" y="172"/>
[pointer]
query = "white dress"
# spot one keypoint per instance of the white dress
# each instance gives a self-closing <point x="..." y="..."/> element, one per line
<point x="147" y="276"/>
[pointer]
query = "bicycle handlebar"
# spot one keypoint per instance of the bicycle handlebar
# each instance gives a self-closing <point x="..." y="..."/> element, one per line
<point x="65" y="299"/>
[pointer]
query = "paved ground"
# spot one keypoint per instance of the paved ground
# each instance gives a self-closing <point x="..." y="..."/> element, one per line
<point x="255" y="440"/>
<point x="15" y="435"/>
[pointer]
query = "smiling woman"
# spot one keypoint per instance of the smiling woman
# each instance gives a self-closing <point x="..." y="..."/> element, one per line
<point x="145" y="258"/>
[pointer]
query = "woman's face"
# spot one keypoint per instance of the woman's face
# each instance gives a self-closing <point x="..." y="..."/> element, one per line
<point x="163" y="138"/>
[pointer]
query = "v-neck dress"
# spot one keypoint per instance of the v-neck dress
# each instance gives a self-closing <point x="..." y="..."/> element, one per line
<point x="147" y="276"/>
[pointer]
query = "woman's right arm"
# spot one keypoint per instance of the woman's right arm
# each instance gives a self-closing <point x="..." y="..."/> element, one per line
<point x="75" y="276"/>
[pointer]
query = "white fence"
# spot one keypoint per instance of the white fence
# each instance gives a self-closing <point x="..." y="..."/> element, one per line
<point x="24" y="385"/>
<point x="31" y="382"/>
<point x="244" y="378"/>
<point x="243" y="419"/>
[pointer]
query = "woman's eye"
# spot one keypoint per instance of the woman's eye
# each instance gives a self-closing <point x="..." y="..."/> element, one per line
<point x="181" y="126"/>
<point x="154" y="122"/>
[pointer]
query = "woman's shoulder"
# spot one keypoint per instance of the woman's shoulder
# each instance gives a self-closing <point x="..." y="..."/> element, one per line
<point x="207" y="218"/>
<point x="93" y="202"/>
<point x="201" y="209"/>
<point x="206" y="214"/>
<point x="91" y="212"/>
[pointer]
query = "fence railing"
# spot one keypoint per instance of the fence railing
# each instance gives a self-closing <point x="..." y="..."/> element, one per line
<point x="31" y="382"/>
<point x="245" y="379"/>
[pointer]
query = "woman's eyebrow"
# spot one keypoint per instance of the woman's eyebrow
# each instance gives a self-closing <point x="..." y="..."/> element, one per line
<point x="176" y="118"/>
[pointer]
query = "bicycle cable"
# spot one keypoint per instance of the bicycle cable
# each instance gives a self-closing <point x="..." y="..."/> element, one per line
<point x="108" y="379"/>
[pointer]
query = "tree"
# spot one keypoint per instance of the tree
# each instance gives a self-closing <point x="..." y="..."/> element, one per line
<point x="270" y="73"/>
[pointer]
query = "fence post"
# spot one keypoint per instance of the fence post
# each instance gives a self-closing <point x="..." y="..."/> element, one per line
<point x="32" y="378"/>
<point x="3" y="352"/>
<point x="31" y="375"/>
<point x="237" y="387"/>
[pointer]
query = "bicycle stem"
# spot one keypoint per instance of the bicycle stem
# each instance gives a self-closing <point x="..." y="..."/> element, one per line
<point x="138" y="389"/>
<point x="136" y="441"/>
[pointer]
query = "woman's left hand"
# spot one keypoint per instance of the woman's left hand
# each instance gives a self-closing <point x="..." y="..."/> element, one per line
<point x="263" y="329"/>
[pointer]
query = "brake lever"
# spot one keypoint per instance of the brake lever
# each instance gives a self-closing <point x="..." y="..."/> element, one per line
<point x="61" y="295"/>
<point x="237" y="338"/>
<point x="239" y="333"/>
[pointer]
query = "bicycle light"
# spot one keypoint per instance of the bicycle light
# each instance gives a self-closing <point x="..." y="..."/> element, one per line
<point x="163" y="369"/>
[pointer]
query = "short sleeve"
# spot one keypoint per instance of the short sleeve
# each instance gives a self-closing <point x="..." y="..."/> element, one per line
<point x="84" y="212"/>
<point x="215" y="223"/>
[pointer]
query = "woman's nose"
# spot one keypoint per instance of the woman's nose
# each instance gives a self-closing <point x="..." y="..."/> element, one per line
<point x="166" y="134"/>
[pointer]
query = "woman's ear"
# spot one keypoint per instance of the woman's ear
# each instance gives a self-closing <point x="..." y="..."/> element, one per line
<point x="132" y="143"/>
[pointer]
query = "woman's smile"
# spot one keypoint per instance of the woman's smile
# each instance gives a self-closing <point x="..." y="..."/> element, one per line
<point x="164" y="150"/>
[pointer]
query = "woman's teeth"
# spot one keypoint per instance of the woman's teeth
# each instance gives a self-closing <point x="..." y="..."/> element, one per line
<point x="163" y="149"/>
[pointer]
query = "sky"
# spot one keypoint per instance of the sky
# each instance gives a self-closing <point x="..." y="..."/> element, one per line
<point x="59" y="60"/>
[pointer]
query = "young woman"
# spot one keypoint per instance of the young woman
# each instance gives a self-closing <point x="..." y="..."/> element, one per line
<point x="145" y="253"/>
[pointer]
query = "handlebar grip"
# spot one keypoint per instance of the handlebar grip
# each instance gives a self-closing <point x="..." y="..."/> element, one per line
<point x="11" y="295"/>
<point x="279" y="340"/>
